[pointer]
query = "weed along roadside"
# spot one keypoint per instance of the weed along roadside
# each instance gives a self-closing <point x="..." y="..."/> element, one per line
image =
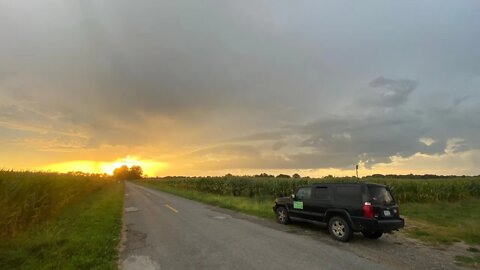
<point x="66" y="222"/>
<point x="439" y="212"/>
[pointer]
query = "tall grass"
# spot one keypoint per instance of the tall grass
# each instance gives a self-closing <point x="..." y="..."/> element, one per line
<point x="28" y="198"/>
<point x="405" y="190"/>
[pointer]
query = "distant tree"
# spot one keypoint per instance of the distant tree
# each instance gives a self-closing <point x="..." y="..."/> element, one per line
<point x="264" y="175"/>
<point x="296" y="175"/>
<point x="283" y="176"/>
<point x="78" y="173"/>
<point x="124" y="173"/>
<point x="121" y="172"/>
<point x="135" y="172"/>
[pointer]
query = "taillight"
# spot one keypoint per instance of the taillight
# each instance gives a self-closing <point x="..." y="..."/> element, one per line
<point x="367" y="210"/>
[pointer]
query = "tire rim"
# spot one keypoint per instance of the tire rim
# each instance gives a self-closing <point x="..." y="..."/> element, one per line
<point x="281" y="215"/>
<point x="338" y="228"/>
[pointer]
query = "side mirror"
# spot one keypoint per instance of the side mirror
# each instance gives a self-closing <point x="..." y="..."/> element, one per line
<point x="293" y="196"/>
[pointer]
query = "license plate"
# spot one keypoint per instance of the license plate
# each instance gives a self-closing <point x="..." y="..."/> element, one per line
<point x="387" y="213"/>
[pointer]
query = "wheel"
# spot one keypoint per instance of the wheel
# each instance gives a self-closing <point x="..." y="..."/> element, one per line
<point x="373" y="234"/>
<point x="282" y="215"/>
<point x="339" y="229"/>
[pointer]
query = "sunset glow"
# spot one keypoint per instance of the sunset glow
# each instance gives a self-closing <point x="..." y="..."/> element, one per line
<point x="221" y="87"/>
<point x="128" y="161"/>
<point x="149" y="167"/>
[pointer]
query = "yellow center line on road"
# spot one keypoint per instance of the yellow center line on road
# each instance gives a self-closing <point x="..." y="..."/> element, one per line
<point x="171" y="208"/>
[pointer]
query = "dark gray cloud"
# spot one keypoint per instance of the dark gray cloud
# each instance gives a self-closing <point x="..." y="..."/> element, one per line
<point x="378" y="133"/>
<point x="392" y="92"/>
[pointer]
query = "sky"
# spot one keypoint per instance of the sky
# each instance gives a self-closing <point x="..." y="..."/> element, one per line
<point x="186" y="87"/>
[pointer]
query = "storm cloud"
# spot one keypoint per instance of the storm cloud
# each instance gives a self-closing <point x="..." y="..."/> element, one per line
<point x="263" y="85"/>
<point x="392" y="92"/>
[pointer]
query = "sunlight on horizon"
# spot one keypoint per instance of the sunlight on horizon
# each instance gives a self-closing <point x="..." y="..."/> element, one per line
<point x="150" y="167"/>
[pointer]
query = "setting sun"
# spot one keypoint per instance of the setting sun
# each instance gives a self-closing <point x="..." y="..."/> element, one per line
<point x="127" y="161"/>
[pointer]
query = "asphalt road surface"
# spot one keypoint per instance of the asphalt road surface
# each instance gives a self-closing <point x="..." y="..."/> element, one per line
<point x="168" y="232"/>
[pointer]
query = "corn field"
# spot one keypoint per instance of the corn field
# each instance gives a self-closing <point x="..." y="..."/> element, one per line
<point x="27" y="198"/>
<point x="404" y="190"/>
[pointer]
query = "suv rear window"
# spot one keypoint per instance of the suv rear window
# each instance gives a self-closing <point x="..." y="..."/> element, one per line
<point x="380" y="195"/>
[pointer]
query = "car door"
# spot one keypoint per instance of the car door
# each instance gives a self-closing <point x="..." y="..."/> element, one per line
<point x="322" y="196"/>
<point x="302" y="203"/>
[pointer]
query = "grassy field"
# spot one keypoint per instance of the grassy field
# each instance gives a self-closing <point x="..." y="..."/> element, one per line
<point x="59" y="221"/>
<point x="439" y="211"/>
<point x="444" y="222"/>
<point x="28" y="198"/>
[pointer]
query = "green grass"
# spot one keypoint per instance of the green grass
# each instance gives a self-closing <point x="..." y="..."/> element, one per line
<point x="473" y="249"/>
<point x="472" y="261"/>
<point x="444" y="222"/>
<point x="29" y="198"/>
<point x="468" y="261"/>
<point x="84" y="235"/>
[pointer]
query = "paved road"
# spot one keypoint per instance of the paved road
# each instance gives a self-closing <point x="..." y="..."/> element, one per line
<point x="168" y="232"/>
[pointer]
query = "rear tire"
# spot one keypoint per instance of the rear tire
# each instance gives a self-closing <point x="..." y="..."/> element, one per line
<point x="373" y="235"/>
<point x="282" y="215"/>
<point x="339" y="229"/>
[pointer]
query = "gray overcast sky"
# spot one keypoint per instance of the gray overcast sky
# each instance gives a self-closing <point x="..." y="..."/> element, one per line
<point x="208" y="87"/>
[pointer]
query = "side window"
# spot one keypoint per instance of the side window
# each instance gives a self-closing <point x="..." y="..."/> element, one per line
<point x="304" y="193"/>
<point x="323" y="194"/>
<point x="348" y="195"/>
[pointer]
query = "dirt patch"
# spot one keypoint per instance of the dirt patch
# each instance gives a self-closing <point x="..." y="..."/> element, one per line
<point x="135" y="262"/>
<point x="131" y="240"/>
<point x="134" y="239"/>
<point x="131" y="209"/>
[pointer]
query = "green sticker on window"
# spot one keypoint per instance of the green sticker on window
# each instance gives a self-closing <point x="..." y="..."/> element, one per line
<point x="297" y="205"/>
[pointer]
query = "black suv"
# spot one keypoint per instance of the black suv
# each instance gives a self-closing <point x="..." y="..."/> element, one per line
<point x="343" y="207"/>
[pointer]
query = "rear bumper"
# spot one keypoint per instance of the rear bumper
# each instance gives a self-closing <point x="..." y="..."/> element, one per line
<point x="367" y="224"/>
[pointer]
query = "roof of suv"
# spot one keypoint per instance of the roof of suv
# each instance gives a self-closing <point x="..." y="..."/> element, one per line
<point x="344" y="183"/>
